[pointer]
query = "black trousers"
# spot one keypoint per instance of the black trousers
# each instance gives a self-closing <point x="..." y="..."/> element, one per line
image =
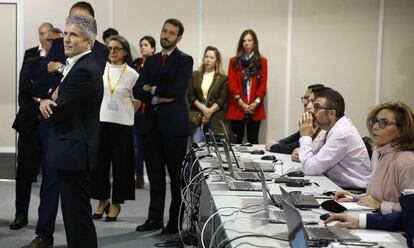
<point x="116" y="148"/>
<point x="76" y="209"/>
<point x="160" y="151"/>
<point x="29" y="156"/>
<point x="252" y="130"/>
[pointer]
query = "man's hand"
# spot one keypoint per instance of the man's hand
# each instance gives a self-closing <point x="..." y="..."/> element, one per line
<point x="53" y="66"/>
<point x="369" y="201"/>
<point x="269" y="144"/>
<point x="295" y="155"/>
<point x="45" y="108"/>
<point x="164" y="100"/>
<point x="55" y="94"/>
<point x="136" y="104"/>
<point x="147" y="87"/>
<point x="306" y="124"/>
<point x="345" y="221"/>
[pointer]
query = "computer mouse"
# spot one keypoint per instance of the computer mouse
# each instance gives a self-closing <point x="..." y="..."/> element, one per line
<point x="325" y="216"/>
<point x="269" y="157"/>
<point x="246" y="144"/>
<point x="296" y="174"/>
<point x="329" y="192"/>
<point x="258" y="152"/>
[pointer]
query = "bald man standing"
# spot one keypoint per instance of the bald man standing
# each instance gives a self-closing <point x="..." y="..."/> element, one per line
<point x="40" y="49"/>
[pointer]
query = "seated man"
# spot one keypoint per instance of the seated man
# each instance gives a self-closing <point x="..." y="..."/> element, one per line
<point x="342" y="157"/>
<point x="395" y="221"/>
<point x="290" y="143"/>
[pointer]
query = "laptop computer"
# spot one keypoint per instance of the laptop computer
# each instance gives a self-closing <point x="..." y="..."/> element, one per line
<point x="242" y="149"/>
<point x="278" y="216"/>
<point x="240" y="175"/>
<point x="301" y="236"/>
<point x="232" y="185"/>
<point x="298" y="200"/>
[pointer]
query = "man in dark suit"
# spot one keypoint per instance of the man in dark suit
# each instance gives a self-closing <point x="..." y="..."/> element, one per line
<point x="162" y="85"/>
<point x="39" y="50"/>
<point x="27" y="124"/>
<point x="49" y="193"/>
<point x="394" y="221"/>
<point x="73" y="139"/>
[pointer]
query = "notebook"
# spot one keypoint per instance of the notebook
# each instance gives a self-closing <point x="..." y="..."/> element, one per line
<point x="298" y="200"/>
<point x="301" y="236"/>
<point x="278" y="216"/>
<point x="232" y="185"/>
<point x="240" y="175"/>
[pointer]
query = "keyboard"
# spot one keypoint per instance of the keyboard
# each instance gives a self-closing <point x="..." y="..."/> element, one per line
<point x="242" y="149"/>
<point x="246" y="176"/>
<point x="322" y="232"/>
<point x="279" y="215"/>
<point x="241" y="185"/>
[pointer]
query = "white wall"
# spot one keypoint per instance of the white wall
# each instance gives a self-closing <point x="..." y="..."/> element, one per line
<point x="348" y="45"/>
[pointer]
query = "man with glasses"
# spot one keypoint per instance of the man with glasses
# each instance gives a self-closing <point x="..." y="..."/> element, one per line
<point x="290" y="144"/>
<point x="342" y="157"/>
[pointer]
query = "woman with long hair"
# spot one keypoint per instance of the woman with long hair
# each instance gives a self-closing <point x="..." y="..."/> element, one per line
<point x="247" y="88"/>
<point x="207" y="93"/>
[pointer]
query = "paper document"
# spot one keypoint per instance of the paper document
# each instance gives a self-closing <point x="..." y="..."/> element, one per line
<point x="354" y="206"/>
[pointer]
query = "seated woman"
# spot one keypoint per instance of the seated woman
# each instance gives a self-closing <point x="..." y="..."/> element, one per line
<point x="207" y="93"/>
<point x="391" y="126"/>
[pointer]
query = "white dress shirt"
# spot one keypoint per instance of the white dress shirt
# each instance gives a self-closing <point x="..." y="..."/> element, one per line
<point x="342" y="156"/>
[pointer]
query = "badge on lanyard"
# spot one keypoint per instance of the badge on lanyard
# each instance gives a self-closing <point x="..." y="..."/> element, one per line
<point x="112" y="105"/>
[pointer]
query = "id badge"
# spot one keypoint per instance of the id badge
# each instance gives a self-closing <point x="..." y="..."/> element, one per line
<point x="112" y="105"/>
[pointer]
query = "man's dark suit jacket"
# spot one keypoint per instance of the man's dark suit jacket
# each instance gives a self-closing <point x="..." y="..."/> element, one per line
<point x="31" y="52"/>
<point x="287" y="145"/>
<point x="396" y="221"/>
<point x="28" y="87"/>
<point x="73" y="139"/>
<point x="172" y="82"/>
<point x="57" y="53"/>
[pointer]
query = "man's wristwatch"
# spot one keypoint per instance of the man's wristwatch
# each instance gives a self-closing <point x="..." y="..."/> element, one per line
<point x="258" y="100"/>
<point x="60" y="69"/>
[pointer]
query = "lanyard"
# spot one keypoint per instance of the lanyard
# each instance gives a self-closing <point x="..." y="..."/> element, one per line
<point x="112" y="88"/>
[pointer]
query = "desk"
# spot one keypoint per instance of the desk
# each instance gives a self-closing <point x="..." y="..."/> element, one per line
<point x="231" y="223"/>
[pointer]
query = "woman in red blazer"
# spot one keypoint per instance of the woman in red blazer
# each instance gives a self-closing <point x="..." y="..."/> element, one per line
<point x="247" y="88"/>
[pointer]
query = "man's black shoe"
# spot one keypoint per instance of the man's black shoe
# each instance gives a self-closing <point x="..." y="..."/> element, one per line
<point x="170" y="228"/>
<point x="149" y="225"/>
<point x="38" y="243"/>
<point x="19" y="222"/>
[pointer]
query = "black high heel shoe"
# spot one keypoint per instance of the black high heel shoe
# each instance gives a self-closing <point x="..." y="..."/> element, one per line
<point x="97" y="216"/>
<point x="111" y="219"/>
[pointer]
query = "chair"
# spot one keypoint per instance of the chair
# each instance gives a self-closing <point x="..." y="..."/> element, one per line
<point x="368" y="144"/>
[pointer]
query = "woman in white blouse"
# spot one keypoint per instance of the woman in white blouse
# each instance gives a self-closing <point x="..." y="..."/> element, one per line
<point x="116" y="139"/>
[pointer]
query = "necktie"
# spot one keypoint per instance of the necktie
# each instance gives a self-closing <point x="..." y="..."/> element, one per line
<point x="164" y="59"/>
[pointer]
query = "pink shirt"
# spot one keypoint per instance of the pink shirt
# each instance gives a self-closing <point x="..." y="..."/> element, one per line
<point x="393" y="174"/>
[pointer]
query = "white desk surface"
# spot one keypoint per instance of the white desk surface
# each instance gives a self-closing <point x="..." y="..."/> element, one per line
<point x="239" y="224"/>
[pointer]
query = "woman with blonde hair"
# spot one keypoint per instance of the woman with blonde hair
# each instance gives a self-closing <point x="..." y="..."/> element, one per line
<point x="207" y="93"/>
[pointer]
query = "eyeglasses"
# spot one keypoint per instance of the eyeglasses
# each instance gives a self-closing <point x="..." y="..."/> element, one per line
<point x="115" y="49"/>
<point x="382" y="123"/>
<point x="304" y="99"/>
<point x="318" y="107"/>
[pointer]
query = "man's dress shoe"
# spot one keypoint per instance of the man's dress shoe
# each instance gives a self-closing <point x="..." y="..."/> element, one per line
<point x="38" y="243"/>
<point x="18" y="223"/>
<point x="170" y="228"/>
<point x="149" y="225"/>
